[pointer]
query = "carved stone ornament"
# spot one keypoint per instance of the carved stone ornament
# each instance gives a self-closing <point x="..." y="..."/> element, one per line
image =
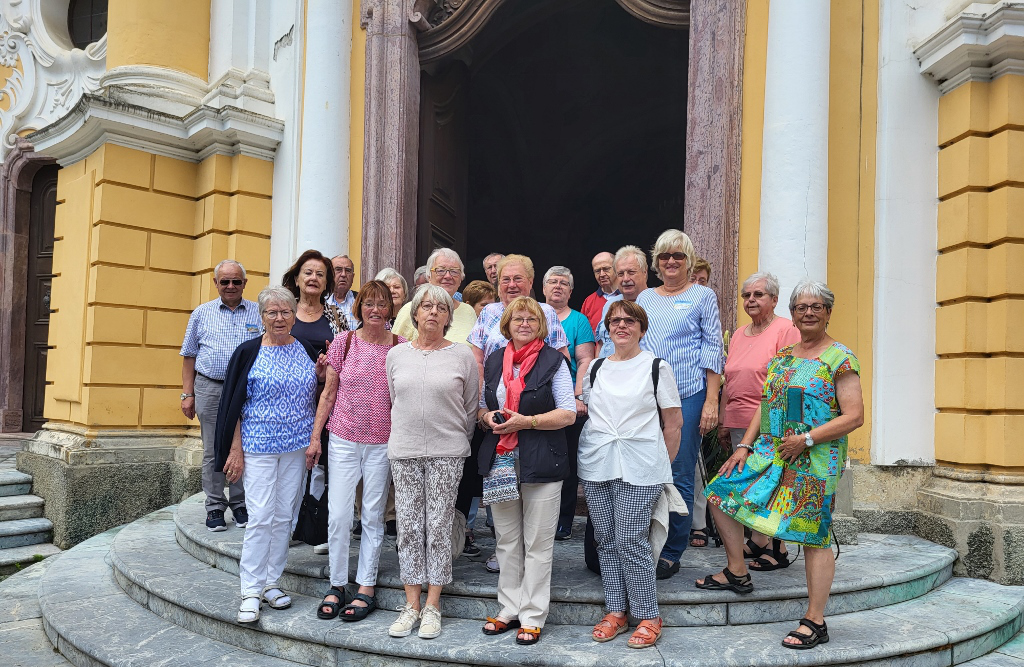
<point x="50" y="76"/>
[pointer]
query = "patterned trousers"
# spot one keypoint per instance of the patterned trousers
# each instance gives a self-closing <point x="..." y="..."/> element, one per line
<point x="621" y="514"/>
<point x="425" y="490"/>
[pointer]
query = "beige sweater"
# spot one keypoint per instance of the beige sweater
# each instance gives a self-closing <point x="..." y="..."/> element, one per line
<point x="433" y="401"/>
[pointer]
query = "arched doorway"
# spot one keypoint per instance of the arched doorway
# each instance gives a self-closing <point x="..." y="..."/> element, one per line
<point x="565" y="123"/>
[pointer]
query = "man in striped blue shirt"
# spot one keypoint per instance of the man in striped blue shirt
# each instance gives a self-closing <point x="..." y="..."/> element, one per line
<point x="631" y="273"/>
<point x="214" y="330"/>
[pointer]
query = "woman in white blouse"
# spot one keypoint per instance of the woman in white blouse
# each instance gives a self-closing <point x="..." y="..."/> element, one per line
<point x="625" y="459"/>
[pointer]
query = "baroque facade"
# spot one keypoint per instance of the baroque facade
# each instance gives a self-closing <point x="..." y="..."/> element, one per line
<point x="869" y="143"/>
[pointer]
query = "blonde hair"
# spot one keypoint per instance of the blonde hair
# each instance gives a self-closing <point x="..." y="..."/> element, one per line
<point x="531" y="306"/>
<point x="672" y="240"/>
<point x="522" y="260"/>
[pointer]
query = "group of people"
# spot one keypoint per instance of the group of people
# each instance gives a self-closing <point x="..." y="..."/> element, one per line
<point x="432" y="405"/>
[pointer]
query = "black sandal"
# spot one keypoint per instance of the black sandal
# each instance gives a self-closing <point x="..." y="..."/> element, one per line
<point x="741" y="585"/>
<point x="762" y="564"/>
<point x="359" y="613"/>
<point x="699" y="535"/>
<point x="335" y="607"/>
<point x="819" y="635"/>
<point x="755" y="549"/>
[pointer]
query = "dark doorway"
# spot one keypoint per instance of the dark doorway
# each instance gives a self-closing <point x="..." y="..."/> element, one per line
<point x="576" y="134"/>
<point x="42" y="213"/>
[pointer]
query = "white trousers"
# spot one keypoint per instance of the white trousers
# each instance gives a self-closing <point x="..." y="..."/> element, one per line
<point x="349" y="462"/>
<point x="270" y="496"/>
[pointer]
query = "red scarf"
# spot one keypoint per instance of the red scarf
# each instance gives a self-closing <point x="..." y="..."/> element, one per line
<point x="525" y="357"/>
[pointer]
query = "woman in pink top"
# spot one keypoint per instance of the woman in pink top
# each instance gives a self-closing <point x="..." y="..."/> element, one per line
<point x="750" y="349"/>
<point x="357" y="399"/>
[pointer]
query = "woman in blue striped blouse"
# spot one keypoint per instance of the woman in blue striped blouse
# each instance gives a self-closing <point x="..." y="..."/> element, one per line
<point x="686" y="331"/>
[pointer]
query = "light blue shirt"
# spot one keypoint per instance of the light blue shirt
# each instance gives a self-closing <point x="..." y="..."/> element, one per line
<point x="602" y="335"/>
<point x="214" y="331"/>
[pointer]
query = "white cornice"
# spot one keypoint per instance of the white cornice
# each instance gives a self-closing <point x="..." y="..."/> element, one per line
<point x="981" y="43"/>
<point x="205" y="131"/>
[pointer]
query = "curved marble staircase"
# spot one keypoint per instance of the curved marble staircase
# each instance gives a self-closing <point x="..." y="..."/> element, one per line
<point x="163" y="590"/>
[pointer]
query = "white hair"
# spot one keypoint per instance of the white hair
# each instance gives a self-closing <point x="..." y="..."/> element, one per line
<point x="276" y="294"/>
<point x="771" y="283"/>
<point x="562" y="271"/>
<point x="420" y="272"/>
<point x="630" y="251"/>
<point x="447" y="253"/>
<point x="384" y="275"/>
<point x="438" y="295"/>
<point x="815" y="288"/>
<point x="225" y="262"/>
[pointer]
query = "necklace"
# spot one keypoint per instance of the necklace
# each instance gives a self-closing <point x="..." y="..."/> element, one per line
<point x="310" y="310"/>
<point x="674" y="291"/>
<point x="427" y="350"/>
<point x="763" y="328"/>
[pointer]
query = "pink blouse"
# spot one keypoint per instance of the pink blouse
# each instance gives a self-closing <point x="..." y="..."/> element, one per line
<point x="746" y="368"/>
<point x="362" y="411"/>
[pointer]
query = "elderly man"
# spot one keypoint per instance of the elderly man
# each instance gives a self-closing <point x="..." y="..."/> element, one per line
<point x="344" y="296"/>
<point x="631" y="274"/>
<point x="604" y="271"/>
<point x="420" y="277"/>
<point x="491" y="267"/>
<point x="214" y="330"/>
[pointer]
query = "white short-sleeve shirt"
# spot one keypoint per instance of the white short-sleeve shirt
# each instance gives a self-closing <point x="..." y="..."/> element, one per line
<point x="622" y="439"/>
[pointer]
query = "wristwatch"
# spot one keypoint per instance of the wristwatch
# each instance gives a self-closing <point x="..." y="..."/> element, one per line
<point x="533" y="422"/>
<point x="184" y="396"/>
<point x="808" y="440"/>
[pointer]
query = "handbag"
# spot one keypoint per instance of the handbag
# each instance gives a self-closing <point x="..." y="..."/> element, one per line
<point x="502" y="483"/>
<point x="311" y="527"/>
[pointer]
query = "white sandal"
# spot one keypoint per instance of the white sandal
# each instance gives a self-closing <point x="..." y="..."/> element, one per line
<point x="276" y="598"/>
<point x="249" y="610"/>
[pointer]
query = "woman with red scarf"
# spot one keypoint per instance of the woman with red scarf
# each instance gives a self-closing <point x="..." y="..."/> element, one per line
<point x="527" y="402"/>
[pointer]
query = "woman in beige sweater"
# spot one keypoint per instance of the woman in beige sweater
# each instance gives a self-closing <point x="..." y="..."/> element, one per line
<point x="434" y="387"/>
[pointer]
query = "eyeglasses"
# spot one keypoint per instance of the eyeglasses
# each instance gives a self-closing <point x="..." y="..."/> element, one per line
<point x="814" y="307"/>
<point x="439" y="307"/>
<point x="439" y="272"/>
<point x="757" y="295"/>
<point x="343" y="270"/>
<point x="517" y="321"/>
<point x="603" y="269"/>
<point x="224" y="282"/>
<point x="619" y="321"/>
<point x="556" y="281"/>
<point x="379" y="305"/>
<point x="274" y="314"/>
<point x="665" y="256"/>
<point x="519" y="280"/>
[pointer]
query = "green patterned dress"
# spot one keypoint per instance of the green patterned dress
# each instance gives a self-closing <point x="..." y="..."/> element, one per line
<point x="791" y="501"/>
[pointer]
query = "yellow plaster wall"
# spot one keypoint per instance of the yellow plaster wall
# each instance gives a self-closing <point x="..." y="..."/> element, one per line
<point x="138" y="236"/>
<point x="979" y="279"/>
<point x="173" y="35"/>
<point x="357" y="92"/>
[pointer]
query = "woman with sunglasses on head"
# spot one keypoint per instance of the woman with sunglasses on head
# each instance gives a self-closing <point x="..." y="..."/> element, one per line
<point x="686" y="331"/>
<point x="781" y="480"/>
<point x="625" y="457"/>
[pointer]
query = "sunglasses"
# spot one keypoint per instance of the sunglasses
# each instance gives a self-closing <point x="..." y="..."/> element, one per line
<point x="665" y="256"/>
<point x="232" y="281"/>
<point x="617" y="321"/>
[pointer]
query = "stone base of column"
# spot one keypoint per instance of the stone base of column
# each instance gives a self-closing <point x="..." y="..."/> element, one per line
<point x="981" y="515"/>
<point x="94" y="480"/>
<point x="885" y="497"/>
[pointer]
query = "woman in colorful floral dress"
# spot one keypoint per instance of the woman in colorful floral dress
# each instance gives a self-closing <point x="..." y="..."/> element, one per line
<point x="782" y="479"/>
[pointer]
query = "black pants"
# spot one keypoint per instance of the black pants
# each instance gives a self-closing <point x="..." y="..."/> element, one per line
<point x="472" y="484"/>
<point x="570" y="486"/>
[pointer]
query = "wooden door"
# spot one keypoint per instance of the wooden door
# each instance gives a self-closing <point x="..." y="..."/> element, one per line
<point x="444" y="161"/>
<point x="42" y="212"/>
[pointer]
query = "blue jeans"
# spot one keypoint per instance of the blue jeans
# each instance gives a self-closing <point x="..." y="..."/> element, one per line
<point x="683" y="468"/>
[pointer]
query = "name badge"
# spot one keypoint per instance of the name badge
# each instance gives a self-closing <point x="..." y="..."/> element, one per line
<point x="251" y="329"/>
<point x="682" y="305"/>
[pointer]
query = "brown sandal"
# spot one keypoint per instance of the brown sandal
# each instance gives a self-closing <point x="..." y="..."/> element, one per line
<point x="532" y="636"/>
<point x="646" y="634"/>
<point x="500" y="627"/>
<point x="610" y="627"/>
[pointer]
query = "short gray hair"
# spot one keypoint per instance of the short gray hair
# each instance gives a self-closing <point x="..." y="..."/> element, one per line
<point x="225" y="262"/>
<point x="437" y="294"/>
<point x="670" y="240"/>
<point x="276" y="294"/>
<point x="562" y="271"/>
<point x="771" y="283"/>
<point x="493" y="254"/>
<point x="421" y="272"/>
<point x="814" y="288"/>
<point x="447" y="253"/>
<point x="384" y="275"/>
<point x="630" y="251"/>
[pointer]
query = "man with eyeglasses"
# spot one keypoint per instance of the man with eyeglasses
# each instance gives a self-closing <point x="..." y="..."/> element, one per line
<point x="344" y="296"/>
<point x="491" y="267"/>
<point x="631" y="274"/>
<point x="214" y="330"/>
<point x="604" y="272"/>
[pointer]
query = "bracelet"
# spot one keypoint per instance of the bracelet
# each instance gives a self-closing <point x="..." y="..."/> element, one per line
<point x="749" y="448"/>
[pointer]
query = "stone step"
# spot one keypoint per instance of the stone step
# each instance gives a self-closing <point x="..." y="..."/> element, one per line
<point x="961" y="620"/>
<point x="20" y="507"/>
<point x="90" y="619"/>
<point x="22" y="640"/>
<point x="14" y="483"/>
<point x="1010" y="654"/>
<point x="879" y="571"/>
<point x="17" y="558"/>
<point x="23" y="532"/>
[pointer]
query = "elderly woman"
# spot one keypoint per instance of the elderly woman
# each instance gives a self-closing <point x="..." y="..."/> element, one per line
<point x="311" y="280"/>
<point x="625" y="460"/>
<point x="750" y="350"/>
<point x="478" y="294"/>
<point x="434" y="390"/>
<point x="356" y="400"/>
<point x="527" y="403"/>
<point x="686" y="332"/>
<point x="396" y="283"/>
<point x="781" y="480"/>
<point x="264" y="420"/>
<point x="701" y="273"/>
<point x="446" y="271"/>
<point x="558" y="286"/>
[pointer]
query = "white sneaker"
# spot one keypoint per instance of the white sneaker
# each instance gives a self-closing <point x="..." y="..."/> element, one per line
<point x="321" y="549"/>
<point x="407" y="620"/>
<point x="430" y="622"/>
